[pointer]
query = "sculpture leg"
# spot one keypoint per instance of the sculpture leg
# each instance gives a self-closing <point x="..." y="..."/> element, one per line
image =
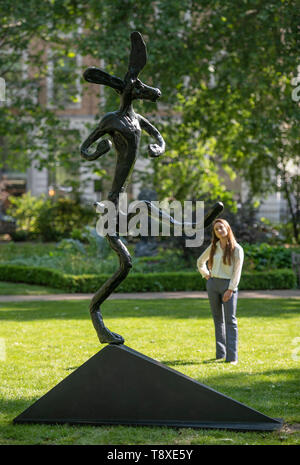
<point x="104" y="334"/>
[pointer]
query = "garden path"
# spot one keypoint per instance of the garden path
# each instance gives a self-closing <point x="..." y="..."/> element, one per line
<point x="269" y="294"/>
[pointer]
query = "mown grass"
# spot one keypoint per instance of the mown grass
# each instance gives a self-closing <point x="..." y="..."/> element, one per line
<point x="43" y="342"/>
<point x="26" y="289"/>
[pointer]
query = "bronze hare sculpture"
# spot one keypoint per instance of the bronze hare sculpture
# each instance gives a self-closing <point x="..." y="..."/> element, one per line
<point x="124" y="126"/>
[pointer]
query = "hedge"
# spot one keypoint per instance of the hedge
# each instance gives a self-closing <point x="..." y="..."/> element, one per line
<point x="142" y="282"/>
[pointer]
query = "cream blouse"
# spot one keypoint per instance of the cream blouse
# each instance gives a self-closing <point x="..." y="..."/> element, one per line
<point x="219" y="270"/>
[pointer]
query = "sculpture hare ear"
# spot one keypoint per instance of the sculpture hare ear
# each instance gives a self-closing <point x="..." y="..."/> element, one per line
<point x="97" y="76"/>
<point x="138" y="55"/>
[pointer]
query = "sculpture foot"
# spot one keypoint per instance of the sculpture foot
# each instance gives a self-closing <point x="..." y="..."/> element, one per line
<point x="105" y="336"/>
<point x="108" y="337"/>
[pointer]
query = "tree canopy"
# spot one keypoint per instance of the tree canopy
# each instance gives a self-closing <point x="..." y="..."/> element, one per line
<point x="225" y="72"/>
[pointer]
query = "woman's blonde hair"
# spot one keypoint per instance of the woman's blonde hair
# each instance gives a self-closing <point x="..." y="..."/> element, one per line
<point x="229" y="247"/>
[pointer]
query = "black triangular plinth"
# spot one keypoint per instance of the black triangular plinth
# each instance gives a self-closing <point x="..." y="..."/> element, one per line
<point x="119" y="386"/>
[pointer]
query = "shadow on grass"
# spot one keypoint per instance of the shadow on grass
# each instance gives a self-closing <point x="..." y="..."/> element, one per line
<point x="164" y="308"/>
<point x="273" y="392"/>
<point x="174" y="363"/>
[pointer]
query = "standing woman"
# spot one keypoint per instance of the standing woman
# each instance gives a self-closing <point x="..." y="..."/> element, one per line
<point x="225" y="260"/>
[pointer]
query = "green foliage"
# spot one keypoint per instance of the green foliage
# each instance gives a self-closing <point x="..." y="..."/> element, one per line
<point x="31" y="275"/>
<point x="11" y="288"/>
<point x="141" y="282"/>
<point x="167" y="260"/>
<point x="284" y="232"/>
<point x="224" y="71"/>
<point x="258" y="257"/>
<point x="188" y="169"/>
<point x="50" y="220"/>
<point x="265" y="257"/>
<point x="27" y="126"/>
<point x="26" y="211"/>
<point x="273" y="279"/>
<point x="63" y="215"/>
<point x="96" y="245"/>
<point x="91" y="254"/>
<point x="26" y="250"/>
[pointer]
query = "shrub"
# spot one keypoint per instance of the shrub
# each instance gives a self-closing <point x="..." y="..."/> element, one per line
<point x="48" y="219"/>
<point x="258" y="257"/>
<point x="142" y="282"/>
<point x="58" y="221"/>
<point x="264" y="256"/>
<point x="26" y="210"/>
<point x="284" y="232"/>
<point x="96" y="245"/>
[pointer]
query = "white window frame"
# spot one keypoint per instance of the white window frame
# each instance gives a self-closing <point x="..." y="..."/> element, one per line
<point x="25" y="75"/>
<point x="50" y="86"/>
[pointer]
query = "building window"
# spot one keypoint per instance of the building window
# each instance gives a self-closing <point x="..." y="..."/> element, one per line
<point x="63" y="81"/>
<point x="63" y="171"/>
<point x="19" y="86"/>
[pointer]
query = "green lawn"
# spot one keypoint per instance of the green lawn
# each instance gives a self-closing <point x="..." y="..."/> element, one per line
<point x="43" y="342"/>
<point x="26" y="289"/>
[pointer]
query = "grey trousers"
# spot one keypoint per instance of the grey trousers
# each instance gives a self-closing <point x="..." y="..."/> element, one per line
<point x="224" y="315"/>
